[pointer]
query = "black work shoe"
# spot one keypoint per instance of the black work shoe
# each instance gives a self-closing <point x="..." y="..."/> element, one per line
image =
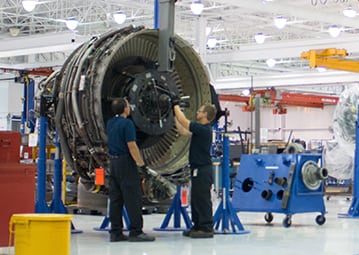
<point x="115" y="237"/>
<point x="141" y="238"/>
<point x="201" y="234"/>
<point x="187" y="232"/>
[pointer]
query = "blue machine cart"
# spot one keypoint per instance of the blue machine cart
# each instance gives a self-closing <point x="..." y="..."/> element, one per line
<point x="280" y="183"/>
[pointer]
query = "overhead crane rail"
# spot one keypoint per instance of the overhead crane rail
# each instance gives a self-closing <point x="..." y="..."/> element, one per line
<point x="331" y="58"/>
<point x="281" y="99"/>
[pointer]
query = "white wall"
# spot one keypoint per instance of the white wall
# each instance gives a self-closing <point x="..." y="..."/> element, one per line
<point x="3" y="107"/>
<point x="307" y="123"/>
<point x="11" y="94"/>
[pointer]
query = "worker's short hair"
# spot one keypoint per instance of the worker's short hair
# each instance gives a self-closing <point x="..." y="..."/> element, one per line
<point x="118" y="105"/>
<point x="211" y="111"/>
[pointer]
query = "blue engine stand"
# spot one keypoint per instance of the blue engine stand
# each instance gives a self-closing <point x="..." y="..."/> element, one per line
<point x="41" y="205"/>
<point x="176" y="209"/>
<point x="106" y="221"/>
<point x="225" y="213"/>
<point x="57" y="205"/>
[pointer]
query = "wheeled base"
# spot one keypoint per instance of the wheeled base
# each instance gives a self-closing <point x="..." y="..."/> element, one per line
<point x="287" y="221"/>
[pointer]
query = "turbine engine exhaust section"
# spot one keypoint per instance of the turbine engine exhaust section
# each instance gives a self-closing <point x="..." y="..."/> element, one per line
<point x="123" y="63"/>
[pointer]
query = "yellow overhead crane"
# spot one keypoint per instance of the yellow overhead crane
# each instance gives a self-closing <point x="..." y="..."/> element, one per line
<point x="331" y="58"/>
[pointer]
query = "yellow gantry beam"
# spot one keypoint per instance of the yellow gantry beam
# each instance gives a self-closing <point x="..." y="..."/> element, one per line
<point x="330" y="58"/>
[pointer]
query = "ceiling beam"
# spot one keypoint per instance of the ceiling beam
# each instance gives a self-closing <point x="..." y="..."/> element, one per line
<point x="287" y="49"/>
<point x="291" y="9"/>
<point x="333" y="78"/>
<point x="37" y="44"/>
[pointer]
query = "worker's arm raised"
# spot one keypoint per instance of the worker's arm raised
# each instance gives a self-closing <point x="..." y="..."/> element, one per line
<point x="183" y="131"/>
<point x="181" y="118"/>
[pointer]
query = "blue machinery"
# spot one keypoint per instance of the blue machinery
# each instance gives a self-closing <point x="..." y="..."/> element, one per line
<point x="270" y="183"/>
<point x="280" y="183"/>
<point x="57" y="205"/>
<point x="105" y="224"/>
<point x="225" y="213"/>
<point x="41" y="205"/>
<point x="176" y="210"/>
<point x="28" y="114"/>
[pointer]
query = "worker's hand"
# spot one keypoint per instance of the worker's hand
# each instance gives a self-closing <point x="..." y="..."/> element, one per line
<point x="142" y="169"/>
<point x="175" y="99"/>
<point x="145" y="170"/>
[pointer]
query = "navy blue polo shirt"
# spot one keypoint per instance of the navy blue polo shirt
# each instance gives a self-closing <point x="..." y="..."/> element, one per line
<point x="120" y="131"/>
<point x="201" y="142"/>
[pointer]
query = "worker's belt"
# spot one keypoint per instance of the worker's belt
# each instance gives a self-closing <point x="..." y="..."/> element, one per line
<point x="117" y="156"/>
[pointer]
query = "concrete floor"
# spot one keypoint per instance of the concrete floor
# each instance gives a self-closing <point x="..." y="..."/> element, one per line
<point x="304" y="236"/>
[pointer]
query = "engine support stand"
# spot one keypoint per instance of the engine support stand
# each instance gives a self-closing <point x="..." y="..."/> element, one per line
<point x="225" y="213"/>
<point x="176" y="209"/>
<point x="106" y="221"/>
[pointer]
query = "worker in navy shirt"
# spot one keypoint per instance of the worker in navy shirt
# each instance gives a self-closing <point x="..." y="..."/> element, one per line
<point x="124" y="179"/>
<point x="201" y="166"/>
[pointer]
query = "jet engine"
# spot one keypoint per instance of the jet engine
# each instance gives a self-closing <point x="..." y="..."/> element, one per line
<point x="123" y="63"/>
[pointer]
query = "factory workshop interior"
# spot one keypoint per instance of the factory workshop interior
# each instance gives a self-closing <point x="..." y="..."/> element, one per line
<point x="283" y="76"/>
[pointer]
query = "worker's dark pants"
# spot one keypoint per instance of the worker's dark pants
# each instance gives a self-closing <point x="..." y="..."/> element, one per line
<point x="125" y="190"/>
<point x="201" y="203"/>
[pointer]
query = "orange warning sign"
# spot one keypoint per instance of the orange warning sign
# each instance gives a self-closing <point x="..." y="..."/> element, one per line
<point x="99" y="176"/>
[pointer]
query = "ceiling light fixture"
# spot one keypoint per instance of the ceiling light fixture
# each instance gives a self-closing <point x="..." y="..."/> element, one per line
<point x="334" y="31"/>
<point x="119" y="17"/>
<point x="246" y="92"/>
<point x="211" y="42"/>
<point x="271" y="62"/>
<point x="197" y="7"/>
<point x="208" y="30"/>
<point x="280" y="22"/>
<point x="349" y="12"/>
<point x="260" y="38"/>
<point x="29" y="5"/>
<point x="14" y="31"/>
<point x="72" y="23"/>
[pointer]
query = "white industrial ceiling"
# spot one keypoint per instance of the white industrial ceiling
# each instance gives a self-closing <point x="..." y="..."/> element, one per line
<point x="40" y="38"/>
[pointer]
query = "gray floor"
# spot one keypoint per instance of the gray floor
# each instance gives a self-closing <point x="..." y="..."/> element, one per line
<point x="336" y="236"/>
